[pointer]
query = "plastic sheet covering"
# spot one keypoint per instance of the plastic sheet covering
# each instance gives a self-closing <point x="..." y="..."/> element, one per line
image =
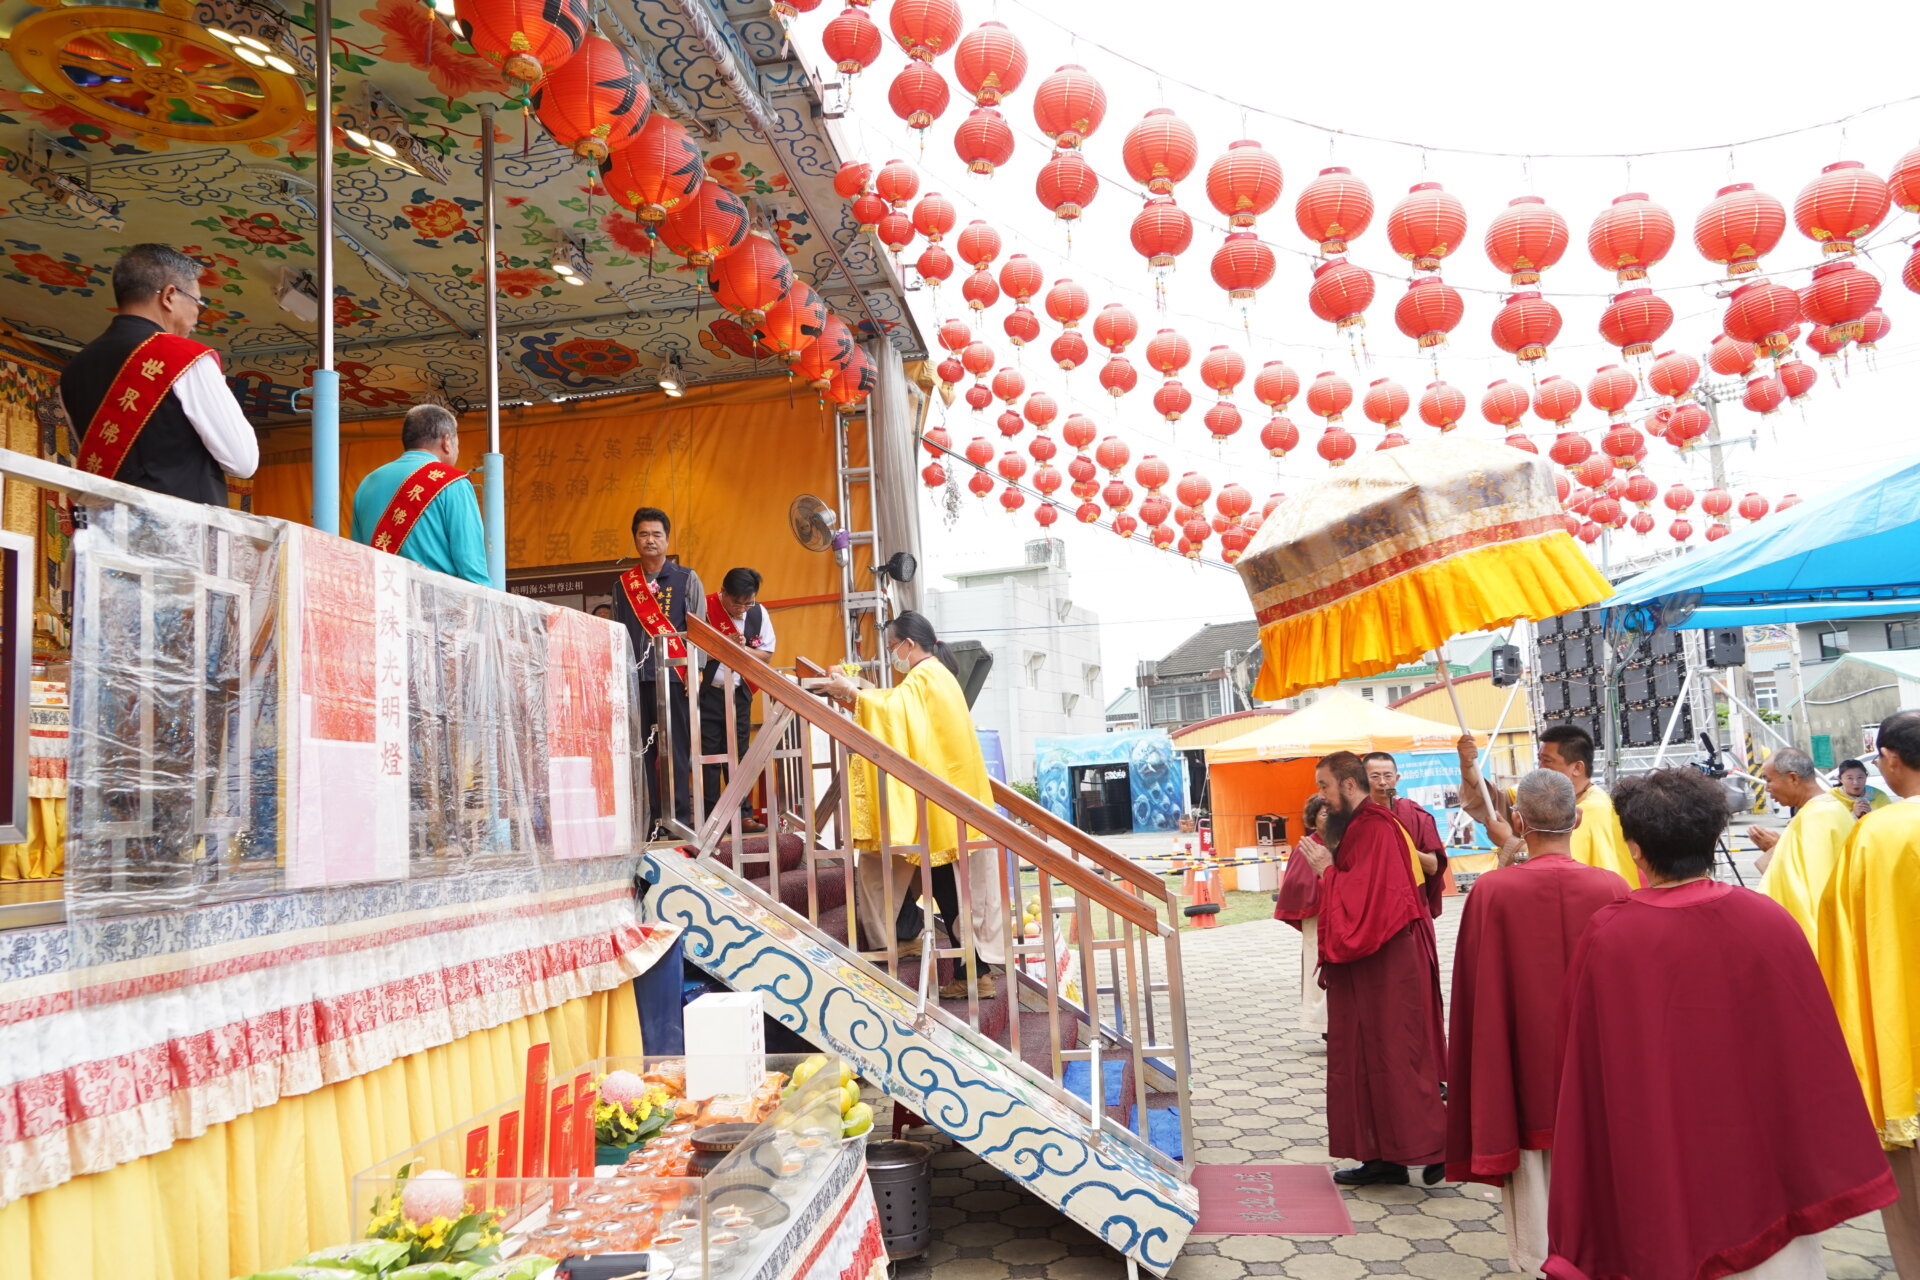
<point x="327" y="808"/>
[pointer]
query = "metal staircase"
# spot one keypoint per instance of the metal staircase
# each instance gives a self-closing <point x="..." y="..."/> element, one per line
<point x="1071" y="1078"/>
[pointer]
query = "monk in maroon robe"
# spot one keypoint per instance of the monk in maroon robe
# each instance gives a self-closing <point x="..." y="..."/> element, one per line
<point x="1383" y="783"/>
<point x="1386" y="1046"/>
<point x="1517" y="937"/>
<point x="1709" y="1121"/>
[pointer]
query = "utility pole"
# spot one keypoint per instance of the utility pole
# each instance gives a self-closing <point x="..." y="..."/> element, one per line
<point x="1711" y="393"/>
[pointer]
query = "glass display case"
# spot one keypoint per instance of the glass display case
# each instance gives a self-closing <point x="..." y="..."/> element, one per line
<point x="710" y="1188"/>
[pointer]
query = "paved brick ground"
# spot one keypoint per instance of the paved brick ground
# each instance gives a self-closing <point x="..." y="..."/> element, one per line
<point x="1257" y="1098"/>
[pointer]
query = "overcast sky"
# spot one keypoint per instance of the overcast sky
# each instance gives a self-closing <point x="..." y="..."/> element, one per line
<point x="1489" y="77"/>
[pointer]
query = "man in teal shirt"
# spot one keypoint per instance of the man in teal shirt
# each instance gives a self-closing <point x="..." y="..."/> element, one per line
<point x="420" y="505"/>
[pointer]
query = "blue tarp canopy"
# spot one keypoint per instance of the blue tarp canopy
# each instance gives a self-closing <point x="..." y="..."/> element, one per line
<point x="1854" y="552"/>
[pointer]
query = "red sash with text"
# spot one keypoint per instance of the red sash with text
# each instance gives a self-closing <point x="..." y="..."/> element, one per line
<point x="137" y="390"/>
<point x="409" y="500"/>
<point x="646" y="607"/>
<point x="722" y="621"/>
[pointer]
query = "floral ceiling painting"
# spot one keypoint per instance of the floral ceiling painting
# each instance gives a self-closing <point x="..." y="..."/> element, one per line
<point x="234" y="187"/>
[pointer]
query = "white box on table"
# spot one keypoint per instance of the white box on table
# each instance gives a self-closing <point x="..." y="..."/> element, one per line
<point x="726" y="1044"/>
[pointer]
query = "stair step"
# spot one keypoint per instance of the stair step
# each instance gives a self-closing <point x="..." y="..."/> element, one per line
<point x="964" y="1081"/>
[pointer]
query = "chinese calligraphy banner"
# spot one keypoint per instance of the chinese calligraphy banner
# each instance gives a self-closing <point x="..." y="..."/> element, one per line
<point x="1269" y="1200"/>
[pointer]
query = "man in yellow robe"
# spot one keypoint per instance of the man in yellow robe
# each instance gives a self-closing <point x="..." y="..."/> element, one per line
<point x="925" y="719"/>
<point x="1796" y="863"/>
<point x="1869" y="949"/>
<point x="1567" y="749"/>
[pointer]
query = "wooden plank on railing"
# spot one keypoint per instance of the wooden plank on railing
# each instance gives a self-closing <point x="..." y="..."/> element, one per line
<point x="1052" y="824"/>
<point x="984" y="818"/>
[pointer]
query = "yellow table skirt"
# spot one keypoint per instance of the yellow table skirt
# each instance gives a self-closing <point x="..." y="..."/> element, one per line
<point x="266" y="1188"/>
<point x="44" y="855"/>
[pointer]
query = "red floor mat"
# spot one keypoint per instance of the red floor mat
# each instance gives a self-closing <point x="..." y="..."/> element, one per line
<point x="1269" y="1200"/>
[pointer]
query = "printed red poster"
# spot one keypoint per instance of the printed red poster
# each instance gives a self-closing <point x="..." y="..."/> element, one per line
<point x="534" y="1151"/>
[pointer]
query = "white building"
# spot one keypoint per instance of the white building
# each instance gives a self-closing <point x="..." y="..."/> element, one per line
<point x="1046" y="651"/>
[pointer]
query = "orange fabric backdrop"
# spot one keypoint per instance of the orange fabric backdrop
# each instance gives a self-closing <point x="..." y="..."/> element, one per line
<point x="1243" y="791"/>
<point x="724" y="462"/>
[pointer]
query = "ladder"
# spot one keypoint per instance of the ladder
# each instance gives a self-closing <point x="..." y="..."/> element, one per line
<point x="853" y="439"/>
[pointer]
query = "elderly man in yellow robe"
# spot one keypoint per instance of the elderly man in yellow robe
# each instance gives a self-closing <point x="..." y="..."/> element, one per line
<point x="1795" y="863"/>
<point x="924" y="717"/>
<point x="1869" y="950"/>
<point x="1567" y="749"/>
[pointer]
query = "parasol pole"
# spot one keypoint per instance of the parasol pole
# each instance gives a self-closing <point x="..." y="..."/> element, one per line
<point x="1460" y="717"/>
<point x="325" y="407"/>
<point x="494" y="482"/>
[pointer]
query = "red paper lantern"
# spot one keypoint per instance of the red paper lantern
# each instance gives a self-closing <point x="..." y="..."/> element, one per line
<point x="1391" y="440"/>
<point x="1223" y="368"/>
<point x="1276" y="385"/>
<point x="594" y="102"/>
<point x="1715" y="532"/>
<point x="1629" y="236"/>
<point x="1067" y="303"/>
<point x="989" y="62"/>
<point x="1673" y="374"/>
<point x="895" y="231"/>
<point x="1689" y="423"/>
<point x="1761" y="313"/>
<point x="1117" y="495"/>
<point x="1334" y="208"/>
<point x="1787" y="500"/>
<point x="708" y="227"/>
<point x="1764" y="395"/>
<point x="1623" y="445"/>
<point x="1279" y="436"/>
<point x="1341" y="293"/>
<point x="791" y="324"/>
<point x="1041" y="409"/>
<point x="1021" y="325"/>
<point x="1195" y="533"/>
<point x="978" y="397"/>
<point x="1011" y="499"/>
<point x="1427" y="225"/>
<point x="1162" y="537"/>
<point x="1729" y="357"/>
<point x="1172" y="400"/>
<point x="1335" y="446"/>
<point x="1441" y="406"/>
<point x="751" y="280"/>
<point x="1753" y="507"/>
<point x="851" y="41"/>
<point x="1011" y="467"/>
<point x="1385" y="403"/>
<point x="1154" y="510"/>
<point x="925" y="28"/>
<point x="1526" y="326"/>
<point x="1556" y="400"/>
<point x="955" y="336"/>
<point x="1518" y="440"/>
<point x="978" y="357"/>
<point x="1118" y="376"/>
<point x="1910" y="274"/>
<point x="1329" y="397"/>
<point x="979" y="290"/>
<point x="1503" y="403"/>
<point x="851" y="179"/>
<point x="935" y="440"/>
<point x="1112" y="455"/>
<point x="1243" y="265"/>
<point x="1594" y="471"/>
<point x="934" y="264"/>
<point x="527" y="39"/>
<point x="1078" y="431"/>
<point x="1046" y="513"/>
<point x="983" y="140"/>
<point x="1069" y="105"/>
<point x="1612" y="389"/>
<point x="1115" y="327"/>
<point x="1069" y="350"/>
<point x="1840" y="297"/>
<point x="1841" y="206"/>
<point x="1678" y="497"/>
<point x="978" y="245"/>
<point x="1740" y="227"/>
<point x="1151" y="474"/>
<point x="1635" y="320"/>
<point x="1168" y="352"/>
<point x="1716" y="502"/>
<point x="1223" y="419"/>
<point x="896" y="183"/>
<point x="918" y="95"/>
<point x="1680" y="530"/>
<point x="854" y="382"/>
<point x="1161" y="232"/>
<point x="1021" y="278"/>
<point x="1160" y="151"/>
<point x="829" y="353"/>
<point x="1066" y="185"/>
<point x="1009" y="385"/>
<point x="657" y="172"/>
<point x="1641" y="490"/>
<point x="1603" y="511"/>
<point x="1193" y="490"/>
<point x="1234" y="543"/>
<point x="933" y="475"/>
<point x="1244" y="182"/>
<point x="1526" y="238"/>
<point x="1797" y="377"/>
<point x="1428" y="311"/>
<point x="1873" y="326"/>
<point x="1086" y="512"/>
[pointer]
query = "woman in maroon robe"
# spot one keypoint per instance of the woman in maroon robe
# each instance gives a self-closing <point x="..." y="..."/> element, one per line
<point x="1298" y="903"/>
<point x="1709" y="1120"/>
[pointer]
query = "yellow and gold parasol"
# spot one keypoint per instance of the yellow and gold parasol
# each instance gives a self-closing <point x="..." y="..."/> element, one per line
<point x="1397" y="553"/>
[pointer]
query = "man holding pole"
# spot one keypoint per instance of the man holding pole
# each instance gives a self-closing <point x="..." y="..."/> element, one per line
<point x="1567" y="749"/>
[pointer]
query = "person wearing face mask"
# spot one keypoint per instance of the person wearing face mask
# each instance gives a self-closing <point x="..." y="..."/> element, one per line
<point x="925" y="718"/>
<point x="1516" y="941"/>
<point x="146" y="400"/>
<point x="736" y="613"/>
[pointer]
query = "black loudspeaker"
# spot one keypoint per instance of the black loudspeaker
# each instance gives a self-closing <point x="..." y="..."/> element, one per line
<point x="1726" y="647"/>
<point x="1506" y="665"/>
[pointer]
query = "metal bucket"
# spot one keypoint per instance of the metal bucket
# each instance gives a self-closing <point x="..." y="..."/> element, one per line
<point x="902" y="1178"/>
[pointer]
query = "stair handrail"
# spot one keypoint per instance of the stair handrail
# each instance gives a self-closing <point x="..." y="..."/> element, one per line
<point x="983" y="818"/>
<point x="1108" y="859"/>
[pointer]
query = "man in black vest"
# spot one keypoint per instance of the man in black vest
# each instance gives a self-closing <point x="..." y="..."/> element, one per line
<point x="148" y="403"/>
<point x="661" y="590"/>
<point x="735" y="612"/>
